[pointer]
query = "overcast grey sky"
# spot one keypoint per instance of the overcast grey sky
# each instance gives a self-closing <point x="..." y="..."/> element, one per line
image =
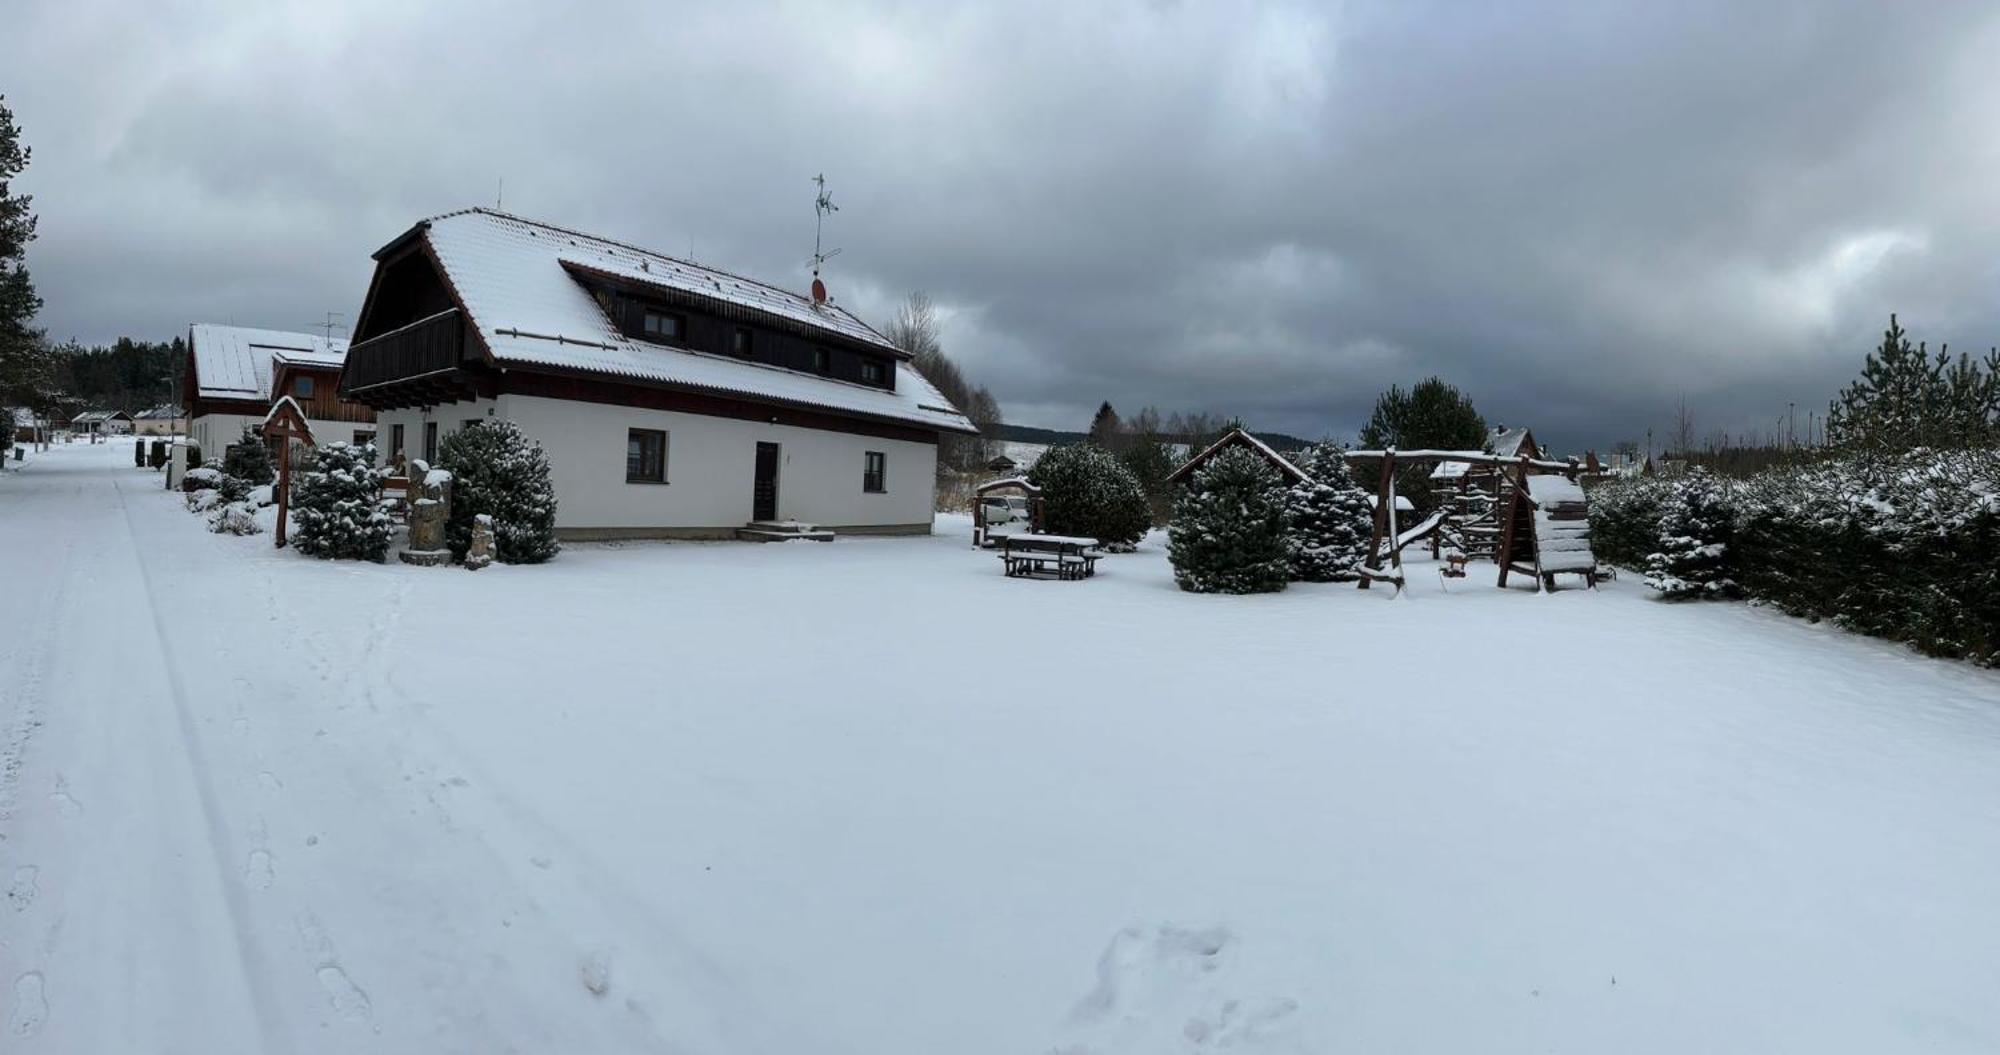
<point x="1577" y="212"/>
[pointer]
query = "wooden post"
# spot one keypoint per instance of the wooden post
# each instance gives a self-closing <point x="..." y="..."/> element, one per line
<point x="1395" y="533"/>
<point x="284" y="484"/>
<point x="1375" y="535"/>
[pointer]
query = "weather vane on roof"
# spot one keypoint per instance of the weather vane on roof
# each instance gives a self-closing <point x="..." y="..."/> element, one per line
<point x="822" y="205"/>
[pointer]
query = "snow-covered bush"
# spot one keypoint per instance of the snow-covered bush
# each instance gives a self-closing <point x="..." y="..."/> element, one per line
<point x="1696" y="527"/>
<point x="1328" y="521"/>
<point x="499" y="471"/>
<point x="249" y="459"/>
<point x="1087" y="491"/>
<point x="236" y="518"/>
<point x="1228" y="533"/>
<point x="337" y="507"/>
<point x="201" y="479"/>
<point x="1625" y="520"/>
<point x="203" y="500"/>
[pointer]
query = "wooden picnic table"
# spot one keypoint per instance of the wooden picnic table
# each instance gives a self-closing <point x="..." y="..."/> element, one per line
<point x="1026" y="556"/>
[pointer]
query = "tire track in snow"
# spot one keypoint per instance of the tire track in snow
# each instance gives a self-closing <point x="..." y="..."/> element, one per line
<point x="256" y="975"/>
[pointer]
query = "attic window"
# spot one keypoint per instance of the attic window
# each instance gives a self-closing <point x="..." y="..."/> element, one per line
<point x="741" y="342"/>
<point x="822" y="360"/>
<point x="664" y="325"/>
<point x="303" y="388"/>
<point x="872" y="372"/>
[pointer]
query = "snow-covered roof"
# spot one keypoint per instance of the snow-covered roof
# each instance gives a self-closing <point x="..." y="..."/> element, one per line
<point x="514" y="278"/>
<point x="23" y="417"/>
<point x="89" y="416"/>
<point x="1507" y="442"/>
<point x="1233" y="436"/>
<point x="236" y="362"/>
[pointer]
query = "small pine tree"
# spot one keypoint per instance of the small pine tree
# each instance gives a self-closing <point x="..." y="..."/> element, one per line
<point x="250" y="459"/>
<point x="1228" y="534"/>
<point x="1696" y="530"/>
<point x="497" y="470"/>
<point x="1328" y="521"/>
<point x="1087" y="491"/>
<point x="337" y="508"/>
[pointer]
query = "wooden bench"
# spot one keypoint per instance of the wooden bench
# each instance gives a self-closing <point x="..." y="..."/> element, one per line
<point x="1031" y="556"/>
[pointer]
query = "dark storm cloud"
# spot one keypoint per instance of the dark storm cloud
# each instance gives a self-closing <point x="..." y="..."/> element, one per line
<point x="1578" y="213"/>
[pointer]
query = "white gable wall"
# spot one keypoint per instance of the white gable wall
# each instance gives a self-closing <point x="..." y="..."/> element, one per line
<point x="710" y="468"/>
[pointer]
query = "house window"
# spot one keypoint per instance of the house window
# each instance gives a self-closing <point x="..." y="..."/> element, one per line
<point x="874" y="471"/>
<point x="470" y="423"/>
<point x="822" y="360"/>
<point x="740" y="344"/>
<point x="645" y="456"/>
<point x="872" y="372"/>
<point x="664" y="325"/>
<point x="395" y="441"/>
<point x="303" y="388"/>
<point x="363" y="436"/>
<point x="430" y="442"/>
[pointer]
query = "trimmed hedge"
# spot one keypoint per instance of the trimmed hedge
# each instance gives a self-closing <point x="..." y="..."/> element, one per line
<point x="1903" y="547"/>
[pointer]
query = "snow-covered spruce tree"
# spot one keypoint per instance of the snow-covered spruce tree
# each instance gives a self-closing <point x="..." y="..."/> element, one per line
<point x="249" y="459"/>
<point x="1625" y="520"/>
<point x="497" y="470"/>
<point x="1696" y="529"/>
<point x="1328" y="521"/>
<point x="1087" y="491"/>
<point x="1228" y="534"/>
<point x="336" y="506"/>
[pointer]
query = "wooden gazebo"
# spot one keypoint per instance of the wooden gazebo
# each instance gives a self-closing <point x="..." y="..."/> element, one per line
<point x="1012" y="494"/>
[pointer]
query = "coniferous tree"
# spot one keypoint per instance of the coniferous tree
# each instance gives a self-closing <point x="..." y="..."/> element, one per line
<point x="497" y="470"/>
<point x="1087" y="491"/>
<point x="1697" y="530"/>
<point x="1328" y="521"/>
<point x="1907" y="398"/>
<point x="27" y="364"/>
<point x="337" y="507"/>
<point x="1105" y="429"/>
<point x="1228" y="533"/>
<point x="249" y="458"/>
<point x="1431" y="416"/>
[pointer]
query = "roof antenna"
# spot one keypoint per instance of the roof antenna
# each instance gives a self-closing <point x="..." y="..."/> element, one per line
<point x="500" y="194"/>
<point x="822" y="205"/>
<point x="329" y="324"/>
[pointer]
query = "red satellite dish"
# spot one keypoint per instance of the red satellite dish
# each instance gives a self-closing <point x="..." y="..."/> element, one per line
<point x="819" y="291"/>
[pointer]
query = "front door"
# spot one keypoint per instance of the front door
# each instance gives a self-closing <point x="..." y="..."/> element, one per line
<point x="764" y="493"/>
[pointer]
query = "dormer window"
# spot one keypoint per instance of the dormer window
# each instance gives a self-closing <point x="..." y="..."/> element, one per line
<point x="822" y="361"/>
<point x="740" y="343"/>
<point x="303" y="388"/>
<point x="664" y="326"/>
<point x="872" y="372"/>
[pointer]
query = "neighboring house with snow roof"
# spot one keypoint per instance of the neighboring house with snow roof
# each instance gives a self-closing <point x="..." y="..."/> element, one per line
<point x="25" y="424"/>
<point x="673" y="399"/>
<point x="235" y="372"/>
<point x="102" y="422"/>
<point x="1513" y="443"/>
<point x="160" y="421"/>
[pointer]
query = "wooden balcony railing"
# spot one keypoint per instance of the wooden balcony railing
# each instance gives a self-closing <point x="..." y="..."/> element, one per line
<point x="426" y="346"/>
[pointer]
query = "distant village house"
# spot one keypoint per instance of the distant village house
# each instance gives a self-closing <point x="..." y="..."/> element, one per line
<point x="235" y="373"/>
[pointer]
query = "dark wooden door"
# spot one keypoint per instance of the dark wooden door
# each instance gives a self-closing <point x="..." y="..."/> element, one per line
<point x="764" y="494"/>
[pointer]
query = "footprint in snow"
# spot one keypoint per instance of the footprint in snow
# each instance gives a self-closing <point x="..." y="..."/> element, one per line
<point x="258" y="871"/>
<point x="31" y="1009"/>
<point x="66" y="803"/>
<point x="22" y="893"/>
<point x="348" y="1001"/>
<point x="596" y="973"/>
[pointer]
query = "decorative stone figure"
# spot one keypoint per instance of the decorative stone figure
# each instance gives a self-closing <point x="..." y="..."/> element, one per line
<point x="481" y="553"/>
<point x="430" y="506"/>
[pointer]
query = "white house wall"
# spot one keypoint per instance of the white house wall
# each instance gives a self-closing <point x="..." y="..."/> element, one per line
<point x="710" y="468"/>
<point x="215" y="432"/>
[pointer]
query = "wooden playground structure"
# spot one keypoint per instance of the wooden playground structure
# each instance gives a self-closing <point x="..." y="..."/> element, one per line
<point x="1527" y="514"/>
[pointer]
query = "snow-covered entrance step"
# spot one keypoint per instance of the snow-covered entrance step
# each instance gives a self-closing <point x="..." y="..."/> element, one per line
<point x="782" y="531"/>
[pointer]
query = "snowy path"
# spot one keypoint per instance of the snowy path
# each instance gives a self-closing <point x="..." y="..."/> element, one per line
<point x="727" y="798"/>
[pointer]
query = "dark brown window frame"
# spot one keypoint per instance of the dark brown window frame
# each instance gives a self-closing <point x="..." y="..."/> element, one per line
<point x="874" y="473"/>
<point x="430" y="442"/>
<point x="743" y="343"/>
<point x="395" y="440"/>
<point x="880" y="371"/>
<point x="678" y="339"/>
<point x="661" y="468"/>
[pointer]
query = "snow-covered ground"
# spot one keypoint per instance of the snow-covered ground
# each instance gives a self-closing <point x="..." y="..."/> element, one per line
<point x="874" y="797"/>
